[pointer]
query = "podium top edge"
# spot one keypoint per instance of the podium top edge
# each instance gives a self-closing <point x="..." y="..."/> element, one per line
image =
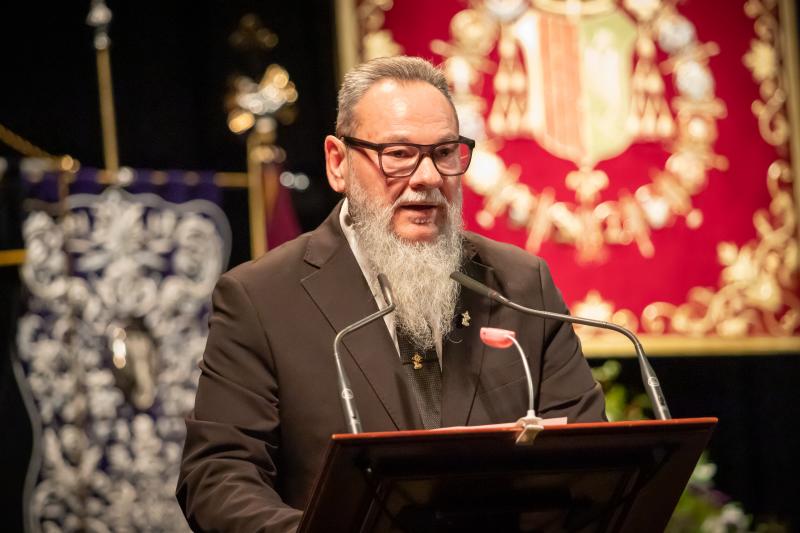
<point x="512" y="428"/>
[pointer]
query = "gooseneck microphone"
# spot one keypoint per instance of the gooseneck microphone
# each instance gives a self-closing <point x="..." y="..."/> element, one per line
<point x="649" y="379"/>
<point x="349" y="410"/>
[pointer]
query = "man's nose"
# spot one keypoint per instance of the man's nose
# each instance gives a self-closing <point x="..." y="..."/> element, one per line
<point x="426" y="176"/>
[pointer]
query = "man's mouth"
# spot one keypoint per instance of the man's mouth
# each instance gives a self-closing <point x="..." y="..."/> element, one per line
<point x="422" y="214"/>
<point x="419" y="207"/>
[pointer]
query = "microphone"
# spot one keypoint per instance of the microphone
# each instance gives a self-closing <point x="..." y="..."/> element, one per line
<point x="649" y="379"/>
<point x="503" y="338"/>
<point x="351" y="418"/>
<point x="386" y="290"/>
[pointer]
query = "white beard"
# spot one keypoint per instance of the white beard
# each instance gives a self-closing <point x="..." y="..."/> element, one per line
<point x="419" y="272"/>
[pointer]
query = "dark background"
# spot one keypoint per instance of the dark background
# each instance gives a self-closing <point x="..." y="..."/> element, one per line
<point x="171" y="62"/>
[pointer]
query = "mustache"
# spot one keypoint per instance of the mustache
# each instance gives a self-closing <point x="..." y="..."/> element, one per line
<point x="422" y="196"/>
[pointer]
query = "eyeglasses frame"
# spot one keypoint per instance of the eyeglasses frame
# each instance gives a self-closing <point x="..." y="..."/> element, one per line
<point x="424" y="149"/>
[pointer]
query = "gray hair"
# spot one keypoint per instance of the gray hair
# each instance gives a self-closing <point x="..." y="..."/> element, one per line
<point x="402" y="68"/>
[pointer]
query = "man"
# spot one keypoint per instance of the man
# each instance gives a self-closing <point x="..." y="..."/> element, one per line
<point x="267" y="401"/>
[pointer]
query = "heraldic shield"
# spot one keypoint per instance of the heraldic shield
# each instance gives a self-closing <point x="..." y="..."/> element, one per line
<point x="584" y="57"/>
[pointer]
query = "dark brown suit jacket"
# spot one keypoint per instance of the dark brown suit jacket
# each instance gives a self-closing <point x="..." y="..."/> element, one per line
<point x="267" y="401"/>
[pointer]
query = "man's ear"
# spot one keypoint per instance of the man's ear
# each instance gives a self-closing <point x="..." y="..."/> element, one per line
<point x="335" y="163"/>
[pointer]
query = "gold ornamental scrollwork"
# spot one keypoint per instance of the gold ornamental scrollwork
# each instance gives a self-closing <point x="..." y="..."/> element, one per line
<point x="758" y="283"/>
<point x="376" y="41"/>
<point x="620" y="88"/>
<point x="757" y="293"/>
<point x="763" y="61"/>
<point x="757" y="296"/>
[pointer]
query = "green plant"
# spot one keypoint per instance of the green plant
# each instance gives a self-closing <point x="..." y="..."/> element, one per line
<point x="701" y="508"/>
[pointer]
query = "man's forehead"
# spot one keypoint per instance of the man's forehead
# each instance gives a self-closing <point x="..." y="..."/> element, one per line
<point x="399" y="100"/>
<point x="389" y="88"/>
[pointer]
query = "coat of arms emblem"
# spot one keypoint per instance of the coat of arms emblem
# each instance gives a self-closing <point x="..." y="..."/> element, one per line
<point x="584" y="80"/>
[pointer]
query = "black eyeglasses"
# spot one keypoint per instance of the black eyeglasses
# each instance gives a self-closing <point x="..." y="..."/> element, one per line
<point x="400" y="160"/>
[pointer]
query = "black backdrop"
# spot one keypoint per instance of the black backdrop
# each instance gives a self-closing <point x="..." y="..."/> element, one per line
<point x="171" y="62"/>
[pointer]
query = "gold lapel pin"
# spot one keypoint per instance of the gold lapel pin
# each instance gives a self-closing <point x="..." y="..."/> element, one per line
<point x="465" y="318"/>
<point x="417" y="360"/>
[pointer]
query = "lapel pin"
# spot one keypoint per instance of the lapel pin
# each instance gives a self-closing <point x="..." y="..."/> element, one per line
<point x="465" y="318"/>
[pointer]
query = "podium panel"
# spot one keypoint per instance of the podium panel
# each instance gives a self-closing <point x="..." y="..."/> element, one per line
<point x="623" y="476"/>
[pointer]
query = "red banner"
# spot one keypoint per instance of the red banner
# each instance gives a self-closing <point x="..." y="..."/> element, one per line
<point x="642" y="148"/>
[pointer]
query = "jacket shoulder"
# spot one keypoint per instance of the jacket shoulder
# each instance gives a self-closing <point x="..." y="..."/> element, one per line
<point x="500" y="255"/>
<point x="278" y="265"/>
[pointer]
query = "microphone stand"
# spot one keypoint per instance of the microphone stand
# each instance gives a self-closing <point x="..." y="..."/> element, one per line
<point x="530" y="423"/>
<point x="351" y="417"/>
<point x="649" y="379"/>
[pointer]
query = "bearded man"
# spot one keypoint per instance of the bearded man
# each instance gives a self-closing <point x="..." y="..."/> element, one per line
<point x="267" y="401"/>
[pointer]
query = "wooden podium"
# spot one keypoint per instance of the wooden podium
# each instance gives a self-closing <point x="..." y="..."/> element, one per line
<point x="620" y="476"/>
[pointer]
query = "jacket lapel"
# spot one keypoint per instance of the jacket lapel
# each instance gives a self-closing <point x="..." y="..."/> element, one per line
<point x="463" y="350"/>
<point x="341" y="293"/>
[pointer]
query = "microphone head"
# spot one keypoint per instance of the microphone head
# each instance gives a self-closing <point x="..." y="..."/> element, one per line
<point x="459" y="277"/>
<point x="386" y="290"/>
<point x="497" y="338"/>
<point x="473" y="285"/>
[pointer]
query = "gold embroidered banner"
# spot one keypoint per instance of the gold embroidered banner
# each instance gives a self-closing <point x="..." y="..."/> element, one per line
<point x="644" y="148"/>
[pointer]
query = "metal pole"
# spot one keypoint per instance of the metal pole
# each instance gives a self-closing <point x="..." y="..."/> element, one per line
<point x="99" y="18"/>
<point x="255" y="195"/>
